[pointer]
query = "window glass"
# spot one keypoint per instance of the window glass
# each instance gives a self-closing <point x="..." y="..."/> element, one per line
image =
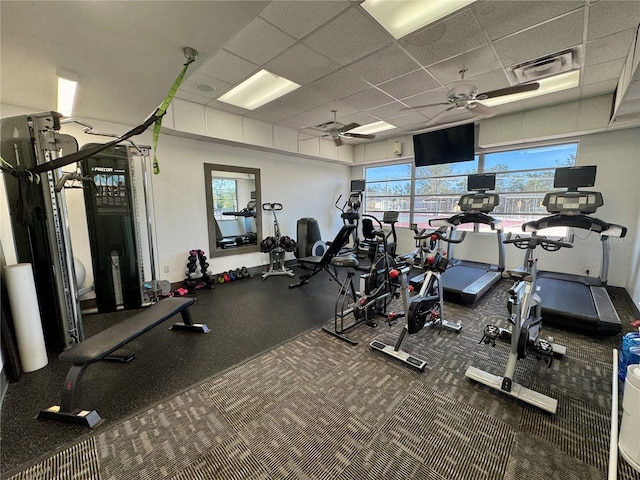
<point x="523" y="177"/>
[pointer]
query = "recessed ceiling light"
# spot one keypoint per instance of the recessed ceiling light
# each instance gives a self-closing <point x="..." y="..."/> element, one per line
<point x="375" y="127"/>
<point x="260" y="88"/>
<point x="557" y="83"/>
<point x="402" y="18"/>
<point x="203" y="87"/>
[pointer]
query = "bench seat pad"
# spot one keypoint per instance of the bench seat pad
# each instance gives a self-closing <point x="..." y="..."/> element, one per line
<point x="102" y="344"/>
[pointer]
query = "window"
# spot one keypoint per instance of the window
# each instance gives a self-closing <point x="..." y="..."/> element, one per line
<point x="523" y="177"/>
<point x="225" y="193"/>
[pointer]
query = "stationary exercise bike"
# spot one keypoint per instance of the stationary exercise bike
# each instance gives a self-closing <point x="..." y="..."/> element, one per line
<point x="524" y="307"/>
<point x="425" y="309"/>
<point x="376" y="288"/>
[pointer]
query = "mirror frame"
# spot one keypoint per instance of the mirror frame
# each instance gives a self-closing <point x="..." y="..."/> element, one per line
<point x="209" y="169"/>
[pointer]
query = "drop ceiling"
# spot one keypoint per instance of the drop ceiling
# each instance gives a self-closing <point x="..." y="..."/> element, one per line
<point x="126" y="55"/>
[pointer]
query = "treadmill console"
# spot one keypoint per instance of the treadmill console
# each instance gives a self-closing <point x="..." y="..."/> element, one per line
<point x="582" y="202"/>
<point x="479" y="202"/>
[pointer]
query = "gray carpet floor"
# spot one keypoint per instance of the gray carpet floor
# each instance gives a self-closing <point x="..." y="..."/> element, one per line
<point x="315" y="407"/>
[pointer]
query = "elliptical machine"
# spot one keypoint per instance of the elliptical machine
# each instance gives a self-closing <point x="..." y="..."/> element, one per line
<point x="424" y="309"/>
<point x="525" y="309"/>
<point x="376" y="288"/>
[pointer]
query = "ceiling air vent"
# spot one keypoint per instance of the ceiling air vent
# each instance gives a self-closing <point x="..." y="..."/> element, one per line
<point x="547" y="66"/>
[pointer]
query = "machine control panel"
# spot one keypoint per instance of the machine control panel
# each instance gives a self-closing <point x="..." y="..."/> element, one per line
<point x="479" y="202"/>
<point x="573" y="202"/>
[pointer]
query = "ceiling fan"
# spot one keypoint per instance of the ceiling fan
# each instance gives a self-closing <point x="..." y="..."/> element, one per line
<point x="466" y="96"/>
<point x="337" y="131"/>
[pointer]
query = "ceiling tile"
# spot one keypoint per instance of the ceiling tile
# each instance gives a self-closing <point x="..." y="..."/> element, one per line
<point x="603" y="71"/>
<point x="279" y="109"/>
<point x="407" y="119"/>
<point x="323" y="114"/>
<point x="192" y="97"/>
<point x="387" y="111"/>
<point x="259" y="42"/>
<point x="302" y="65"/>
<point x="339" y="85"/>
<point x="388" y="63"/>
<point x="501" y="18"/>
<point x="600" y="88"/>
<point x="545" y="39"/>
<point x="305" y="98"/>
<point x="298" y="19"/>
<point x="228" y="67"/>
<point x="368" y="99"/>
<point x="349" y="37"/>
<point x="409" y="85"/>
<point x="436" y="96"/>
<point x="196" y="78"/>
<point x="476" y="62"/>
<point x="608" y="48"/>
<point x="607" y="17"/>
<point x="448" y="38"/>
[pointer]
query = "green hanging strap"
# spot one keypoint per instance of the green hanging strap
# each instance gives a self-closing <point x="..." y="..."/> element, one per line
<point x="191" y="56"/>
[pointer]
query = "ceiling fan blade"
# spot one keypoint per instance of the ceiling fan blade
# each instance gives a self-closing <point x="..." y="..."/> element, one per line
<point x="358" y="135"/>
<point x="418" y="107"/>
<point x="527" y="87"/>
<point x="346" y="128"/>
<point x="438" y="116"/>
<point x="481" y="111"/>
<point x="337" y="140"/>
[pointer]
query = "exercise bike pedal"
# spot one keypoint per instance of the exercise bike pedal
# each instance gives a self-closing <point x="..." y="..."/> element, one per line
<point x="490" y="334"/>
<point x="543" y="351"/>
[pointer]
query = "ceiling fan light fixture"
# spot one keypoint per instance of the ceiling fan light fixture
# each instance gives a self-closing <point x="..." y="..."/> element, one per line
<point x="557" y="83"/>
<point x="371" y="128"/>
<point x="259" y="89"/>
<point x="402" y="18"/>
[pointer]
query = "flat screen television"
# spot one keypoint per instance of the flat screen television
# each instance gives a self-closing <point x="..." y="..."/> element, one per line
<point x="449" y="145"/>
<point x="481" y="182"/>
<point x="574" y="177"/>
<point x="357" y="185"/>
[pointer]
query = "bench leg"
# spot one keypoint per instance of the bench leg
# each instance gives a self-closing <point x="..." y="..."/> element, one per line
<point x="68" y="411"/>
<point x="187" y="324"/>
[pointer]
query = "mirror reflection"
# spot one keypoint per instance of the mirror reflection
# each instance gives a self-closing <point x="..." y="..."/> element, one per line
<point x="233" y="196"/>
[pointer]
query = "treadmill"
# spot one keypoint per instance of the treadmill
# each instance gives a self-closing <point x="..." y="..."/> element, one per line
<point x="569" y="301"/>
<point x="465" y="281"/>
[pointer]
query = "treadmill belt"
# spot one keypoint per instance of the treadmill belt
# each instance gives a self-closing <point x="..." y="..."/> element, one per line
<point x="459" y="277"/>
<point x="568" y="302"/>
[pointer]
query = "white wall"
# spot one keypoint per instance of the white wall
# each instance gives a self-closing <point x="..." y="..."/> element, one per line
<point x="305" y="187"/>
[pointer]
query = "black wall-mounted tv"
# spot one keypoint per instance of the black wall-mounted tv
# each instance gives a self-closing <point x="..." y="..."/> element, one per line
<point x="575" y="177"/>
<point x="481" y="182"/>
<point x="449" y="145"/>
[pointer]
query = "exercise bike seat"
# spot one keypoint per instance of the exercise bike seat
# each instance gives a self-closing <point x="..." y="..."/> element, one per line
<point x="345" y="261"/>
<point x="519" y="274"/>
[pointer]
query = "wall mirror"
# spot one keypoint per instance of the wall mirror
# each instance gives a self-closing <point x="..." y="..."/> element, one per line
<point x="233" y="209"/>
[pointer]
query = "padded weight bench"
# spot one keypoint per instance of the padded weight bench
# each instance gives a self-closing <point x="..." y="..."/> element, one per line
<point x="324" y="262"/>
<point x="102" y="347"/>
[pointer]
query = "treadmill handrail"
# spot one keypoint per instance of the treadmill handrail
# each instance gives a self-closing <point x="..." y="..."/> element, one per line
<point x="467" y="217"/>
<point x="581" y="221"/>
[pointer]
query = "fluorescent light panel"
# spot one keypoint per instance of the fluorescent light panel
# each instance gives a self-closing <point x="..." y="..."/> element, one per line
<point x="370" y="128"/>
<point x="557" y="83"/>
<point x="400" y="18"/>
<point x="67" y="84"/>
<point x="262" y="87"/>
